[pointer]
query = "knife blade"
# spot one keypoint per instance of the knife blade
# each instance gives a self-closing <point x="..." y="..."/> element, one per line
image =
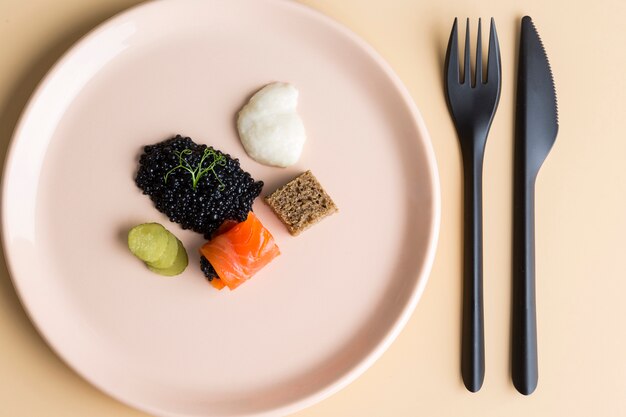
<point x="536" y="128"/>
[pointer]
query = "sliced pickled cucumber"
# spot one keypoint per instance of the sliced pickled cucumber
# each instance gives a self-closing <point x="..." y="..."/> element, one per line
<point x="179" y="265"/>
<point x="148" y="241"/>
<point x="169" y="255"/>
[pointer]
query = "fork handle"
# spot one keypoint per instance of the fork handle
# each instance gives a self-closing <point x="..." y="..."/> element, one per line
<point x="524" y="370"/>
<point x="473" y="344"/>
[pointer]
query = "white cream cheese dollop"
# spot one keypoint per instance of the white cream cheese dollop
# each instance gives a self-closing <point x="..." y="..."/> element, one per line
<point x="270" y="128"/>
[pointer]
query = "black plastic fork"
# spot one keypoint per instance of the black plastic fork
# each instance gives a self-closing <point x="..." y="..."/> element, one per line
<point x="473" y="104"/>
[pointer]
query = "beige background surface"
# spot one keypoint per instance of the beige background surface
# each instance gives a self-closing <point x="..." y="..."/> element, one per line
<point x="581" y="216"/>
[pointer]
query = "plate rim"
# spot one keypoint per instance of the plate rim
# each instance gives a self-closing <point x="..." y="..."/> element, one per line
<point x="422" y="277"/>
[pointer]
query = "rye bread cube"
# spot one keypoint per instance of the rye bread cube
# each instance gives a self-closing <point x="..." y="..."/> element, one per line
<point x="301" y="203"/>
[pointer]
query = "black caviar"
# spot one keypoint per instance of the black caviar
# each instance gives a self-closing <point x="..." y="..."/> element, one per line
<point x="225" y="193"/>
<point x="208" y="269"/>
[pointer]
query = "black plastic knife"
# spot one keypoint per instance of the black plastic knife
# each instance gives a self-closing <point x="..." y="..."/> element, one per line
<point x="536" y="127"/>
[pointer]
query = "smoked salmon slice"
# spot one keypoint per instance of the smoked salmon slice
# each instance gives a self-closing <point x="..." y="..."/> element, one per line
<point x="240" y="252"/>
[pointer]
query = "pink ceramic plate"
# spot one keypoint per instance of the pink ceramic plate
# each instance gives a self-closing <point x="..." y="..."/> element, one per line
<point x="310" y="322"/>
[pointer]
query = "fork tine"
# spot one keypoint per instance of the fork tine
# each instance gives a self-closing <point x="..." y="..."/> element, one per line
<point x="467" y="75"/>
<point x="452" y="57"/>
<point x="479" y="56"/>
<point x="493" y="60"/>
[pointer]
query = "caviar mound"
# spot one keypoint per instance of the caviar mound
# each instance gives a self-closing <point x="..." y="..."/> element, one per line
<point x="202" y="201"/>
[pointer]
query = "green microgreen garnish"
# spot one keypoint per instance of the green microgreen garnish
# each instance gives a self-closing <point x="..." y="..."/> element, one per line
<point x="198" y="172"/>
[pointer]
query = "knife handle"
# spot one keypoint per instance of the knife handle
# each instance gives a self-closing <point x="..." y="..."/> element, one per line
<point x="524" y="369"/>
<point x="472" y="340"/>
